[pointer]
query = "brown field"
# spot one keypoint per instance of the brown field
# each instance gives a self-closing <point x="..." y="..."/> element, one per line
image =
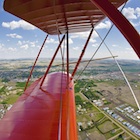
<point x="119" y="96"/>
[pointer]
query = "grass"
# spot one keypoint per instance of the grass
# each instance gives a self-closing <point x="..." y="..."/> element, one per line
<point x="97" y="116"/>
<point x="111" y="134"/>
<point x="20" y="84"/>
<point x="115" y="83"/>
<point x="2" y="90"/>
<point x="94" y="133"/>
<point x="106" y="126"/>
<point x="83" y="118"/>
<point x="10" y="100"/>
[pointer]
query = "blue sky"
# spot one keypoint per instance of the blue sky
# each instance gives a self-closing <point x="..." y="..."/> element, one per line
<point x="18" y="39"/>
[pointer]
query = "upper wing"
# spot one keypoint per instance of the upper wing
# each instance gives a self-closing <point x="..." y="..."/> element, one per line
<point x="58" y="16"/>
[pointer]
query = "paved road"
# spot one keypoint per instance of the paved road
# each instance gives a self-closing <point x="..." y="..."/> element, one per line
<point x="127" y="119"/>
<point x="113" y="120"/>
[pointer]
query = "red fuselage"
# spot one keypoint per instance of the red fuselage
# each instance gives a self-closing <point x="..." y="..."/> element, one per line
<point x="43" y="114"/>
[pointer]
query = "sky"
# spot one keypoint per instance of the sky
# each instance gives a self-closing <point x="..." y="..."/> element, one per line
<point x="19" y="39"/>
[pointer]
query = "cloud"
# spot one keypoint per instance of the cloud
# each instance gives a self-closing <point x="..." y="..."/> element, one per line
<point x="51" y="40"/>
<point x="19" y="43"/>
<point x="70" y="41"/>
<point x="76" y="48"/>
<point x="14" y="36"/>
<point x="129" y="13"/>
<point x="92" y="40"/>
<point x="138" y="11"/>
<point x="103" y="25"/>
<point x="33" y="44"/>
<point x="115" y="45"/>
<point x="129" y="49"/>
<point x="134" y="24"/>
<point x="1" y="45"/>
<point x="83" y="35"/>
<point x="18" y="24"/>
<point x="95" y="45"/>
<point x="12" y="49"/>
<point x="24" y="46"/>
<point x="5" y="49"/>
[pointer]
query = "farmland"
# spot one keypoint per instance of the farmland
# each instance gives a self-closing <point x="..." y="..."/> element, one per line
<point x="101" y="86"/>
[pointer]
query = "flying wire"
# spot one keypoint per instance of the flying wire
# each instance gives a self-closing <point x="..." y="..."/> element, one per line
<point x="99" y="46"/>
<point x="125" y="78"/>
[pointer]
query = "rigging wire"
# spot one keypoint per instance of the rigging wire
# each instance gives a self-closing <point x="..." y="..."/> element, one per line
<point x="125" y="78"/>
<point x="93" y="54"/>
<point x="86" y="60"/>
<point x="99" y="45"/>
<point x="103" y="41"/>
<point x="62" y="50"/>
<point x="58" y="32"/>
<point x="61" y="98"/>
<point x="68" y="111"/>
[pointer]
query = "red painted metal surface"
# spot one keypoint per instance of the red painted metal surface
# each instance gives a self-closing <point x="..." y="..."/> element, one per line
<point x="121" y="23"/>
<point x="36" y="115"/>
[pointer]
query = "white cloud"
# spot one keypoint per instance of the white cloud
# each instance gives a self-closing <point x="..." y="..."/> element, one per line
<point x="114" y="45"/>
<point x="51" y="40"/>
<point x="19" y="42"/>
<point x="1" y="45"/>
<point x="134" y="24"/>
<point x="76" y="48"/>
<point x="14" y="36"/>
<point x="103" y="25"/>
<point x="129" y="13"/>
<point x="138" y="11"/>
<point x="18" y="24"/>
<point x="129" y="49"/>
<point x="33" y="44"/>
<point x="24" y="46"/>
<point x="83" y="35"/>
<point x="12" y="49"/>
<point x="63" y="45"/>
<point x="95" y="45"/>
<point x="80" y="35"/>
<point x="70" y="41"/>
<point x="92" y="40"/>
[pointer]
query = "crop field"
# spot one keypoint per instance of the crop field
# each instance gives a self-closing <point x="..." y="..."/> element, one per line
<point x="101" y="82"/>
<point x="106" y="126"/>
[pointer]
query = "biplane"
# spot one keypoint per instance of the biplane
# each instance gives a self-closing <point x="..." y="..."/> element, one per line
<point x="46" y="109"/>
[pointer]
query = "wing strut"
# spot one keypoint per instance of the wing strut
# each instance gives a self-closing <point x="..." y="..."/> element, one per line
<point x="35" y="62"/>
<point x="79" y="60"/>
<point x="121" y="23"/>
<point x="52" y="60"/>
